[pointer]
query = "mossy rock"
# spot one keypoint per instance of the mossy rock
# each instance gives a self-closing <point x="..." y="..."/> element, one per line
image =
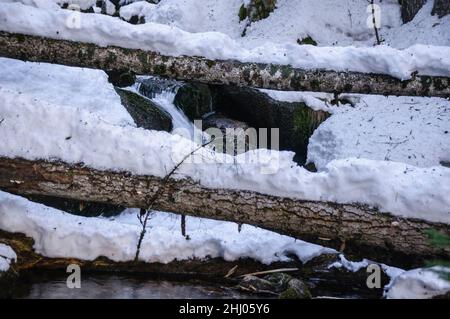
<point x="296" y="121"/>
<point x="296" y="289"/>
<point x="144" y="112"/>
<point x="195" y="100"/>
<point x="121" y="78"/>
<point x="152" y="86"/>
<point x="307" y="40"/>
<point x="257" y="10"/>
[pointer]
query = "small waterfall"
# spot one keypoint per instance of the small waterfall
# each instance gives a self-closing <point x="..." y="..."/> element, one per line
<point x="162" y="92"/>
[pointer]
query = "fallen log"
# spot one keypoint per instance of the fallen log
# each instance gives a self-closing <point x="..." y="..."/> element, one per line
<point x="268" y="76"/>
<point x="354" y="229"/>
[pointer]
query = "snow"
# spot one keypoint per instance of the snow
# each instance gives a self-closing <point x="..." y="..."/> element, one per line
<point x="140" y="9"/>
<point x="70" y="236"/>
<point x="68" y="87"/>
<point x="421" y="283"/>
<point x="7" y="256"/>
<point x="170" y="40"/>
<point x="411" y="130"/>
<point x="352" y="266"/>
<point x="394" y="187"/>
<point x="314" y="100"/>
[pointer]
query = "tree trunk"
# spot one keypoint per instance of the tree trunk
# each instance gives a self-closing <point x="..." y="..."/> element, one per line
<point x="268" y="76"/>
<point x="354" y="229"/>
<point x="441" y="8"/>
<point x="409" y="9"/>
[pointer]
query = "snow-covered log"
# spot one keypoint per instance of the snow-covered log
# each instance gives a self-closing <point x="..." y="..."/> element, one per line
<point x="355" y="229"/>
<point x="269" y="76"/>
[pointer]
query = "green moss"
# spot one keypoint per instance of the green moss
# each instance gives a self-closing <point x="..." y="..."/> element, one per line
<point x="290" y="293"/>
<point x="160" y="69"/>
<point x="144" y="112"/>
<point x="307" y="40"/>
<point x="437" y="239"/>
<point x="142" y="56"/>
<point x="286" y="70"/>
<point x="315" y="85"/>
<point x="305" y="121"/>
<point x="242" y="13"/>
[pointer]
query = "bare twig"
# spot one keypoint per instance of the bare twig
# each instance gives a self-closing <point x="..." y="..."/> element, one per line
<point x="270" y="271"/>
<point x="183" y="225"/>
<point x="231" y="271"/>
<point x="377" y="36"/>
<point x="145" y="213"/>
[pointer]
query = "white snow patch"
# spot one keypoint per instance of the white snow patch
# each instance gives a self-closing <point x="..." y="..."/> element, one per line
<point x="58" y="234"/>
<point x="68" y="87"/>
<point x="412" y="130"/>
<point x="139" y="8"/>
<point x="104" y="30"/>
<point x="316" y="101"/>
<point x="393" y="187"/>
<point x="422" y="283"/>
<point x="7" y="256"/>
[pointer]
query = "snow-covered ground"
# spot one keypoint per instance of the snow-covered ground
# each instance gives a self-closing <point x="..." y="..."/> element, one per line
<point x="69" y="236"/>
<point x="59" y="234"/>
<point x="422" y="283"/>
<point x="387" y="152"/>
<point x="412" y="130"/>
<point x="7" y="256"/>
<point x="170" y="40"/>
<point x="79" y="88"/>
<point x="61" y="133"/>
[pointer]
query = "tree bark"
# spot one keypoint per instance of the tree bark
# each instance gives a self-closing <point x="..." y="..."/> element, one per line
<point x="441" y="8"/>
<point x="268" y="76"/>
<point x="354" y="229"/>
<point x="409" y="9"/>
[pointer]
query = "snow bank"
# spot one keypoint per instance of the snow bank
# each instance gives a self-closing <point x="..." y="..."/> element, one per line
<point x="419" y="283"/>
<point x="7" y="256"/>
<point x="61" y="133"/>
<point x="69" y="87"/>
<point x="104" y="30"/>
<point x="58" y="234"/>
<point x="412" y="130"/>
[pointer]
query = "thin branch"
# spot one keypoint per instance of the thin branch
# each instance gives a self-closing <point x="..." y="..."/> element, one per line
<point x="145" y="213"/>
<point x="377" y="36"/>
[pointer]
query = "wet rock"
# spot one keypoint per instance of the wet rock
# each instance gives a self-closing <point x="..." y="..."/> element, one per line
<point x="296" y="121"/>
<point x="257" y="285"/>
<point x="194" y="99"/>
<point x="121" y="78"/>
<point x="296" y="289"/>
<point x="234" y="134"/>
<point x="152" y="86"/>
<point x="281" y="285"/>
<point x="144" y="112"/>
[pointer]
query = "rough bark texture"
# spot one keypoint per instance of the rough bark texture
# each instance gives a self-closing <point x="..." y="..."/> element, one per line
<point x="441" y="8"/>
<point x="269" y="76"/>
<point x="354" y="229"/>
<point x="409" y="8"/>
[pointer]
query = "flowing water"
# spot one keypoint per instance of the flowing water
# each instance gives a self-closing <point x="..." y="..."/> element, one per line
<point x="44" y="285"/>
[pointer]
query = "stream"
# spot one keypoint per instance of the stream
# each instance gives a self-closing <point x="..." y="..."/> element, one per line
<point x="38" y="284"/>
